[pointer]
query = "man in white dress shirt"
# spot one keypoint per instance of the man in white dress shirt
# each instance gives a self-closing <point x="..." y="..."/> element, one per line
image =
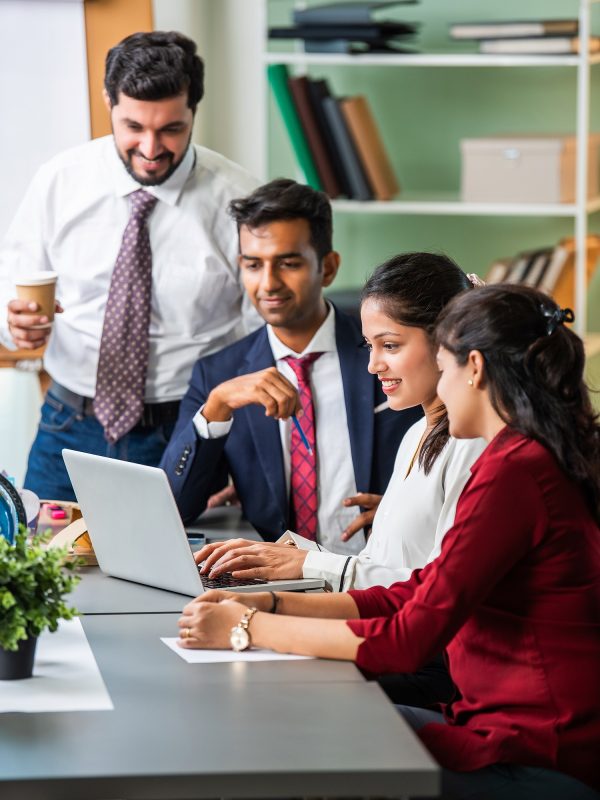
<point x="236" y="413"/>
<point x="77" y="219"/>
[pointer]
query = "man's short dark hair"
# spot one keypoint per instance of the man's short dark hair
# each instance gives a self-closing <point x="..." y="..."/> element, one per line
<point x="284" y="199"/>
<point x="154" y="66"/>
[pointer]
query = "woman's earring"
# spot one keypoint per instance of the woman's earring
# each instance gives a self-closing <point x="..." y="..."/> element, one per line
<point x="470" y="382"/>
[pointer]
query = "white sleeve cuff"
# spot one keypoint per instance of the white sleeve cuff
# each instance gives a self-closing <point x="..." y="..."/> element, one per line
<point x="210" y="430"/>
<point x="6" y="339"/>
<point x="333" y="568"/>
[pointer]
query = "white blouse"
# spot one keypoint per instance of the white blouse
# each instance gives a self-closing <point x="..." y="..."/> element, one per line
<point x="414" y="514"/>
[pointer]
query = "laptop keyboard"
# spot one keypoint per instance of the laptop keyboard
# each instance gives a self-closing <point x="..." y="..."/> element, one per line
<point x="227" y="581"/>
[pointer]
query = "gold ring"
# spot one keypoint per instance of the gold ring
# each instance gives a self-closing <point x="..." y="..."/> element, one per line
<point x="186" y="633"/>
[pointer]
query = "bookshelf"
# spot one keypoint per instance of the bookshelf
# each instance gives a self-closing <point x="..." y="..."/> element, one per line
<point x="449" y="204"/>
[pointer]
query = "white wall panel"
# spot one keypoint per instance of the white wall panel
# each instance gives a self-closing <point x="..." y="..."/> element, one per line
<point x="43" y="90"/>
<point x="44" y="109"/>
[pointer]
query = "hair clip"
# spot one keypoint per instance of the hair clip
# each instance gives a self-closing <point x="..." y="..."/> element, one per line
<point x="556" y="317"/>
<point x="475" y="280"/>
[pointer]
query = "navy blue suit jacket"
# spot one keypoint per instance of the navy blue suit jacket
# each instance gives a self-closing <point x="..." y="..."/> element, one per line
<point x="252" y="453"/>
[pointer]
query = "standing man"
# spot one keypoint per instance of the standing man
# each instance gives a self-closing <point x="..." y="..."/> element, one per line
<point x="309" y="359"/>
<point x="136" y="226"/>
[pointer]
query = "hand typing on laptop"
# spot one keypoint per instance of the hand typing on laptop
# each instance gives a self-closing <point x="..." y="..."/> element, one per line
<point x="273" y="561"/>
<point x="245" y="559"/>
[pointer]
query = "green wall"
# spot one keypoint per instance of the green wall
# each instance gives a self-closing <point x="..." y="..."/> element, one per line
<point x="423" y="113"/>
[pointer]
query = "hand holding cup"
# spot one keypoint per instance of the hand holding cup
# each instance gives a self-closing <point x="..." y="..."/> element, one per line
<point x="30" y="316"/>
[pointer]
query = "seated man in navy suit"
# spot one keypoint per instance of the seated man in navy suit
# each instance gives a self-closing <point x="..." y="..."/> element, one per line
<point x="236" y="414"/>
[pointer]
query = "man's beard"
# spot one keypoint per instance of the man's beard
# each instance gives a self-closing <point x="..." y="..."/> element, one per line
<point x="150" y="180"/>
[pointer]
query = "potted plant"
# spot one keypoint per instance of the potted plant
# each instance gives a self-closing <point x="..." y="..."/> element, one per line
<point x="33" y="582"/>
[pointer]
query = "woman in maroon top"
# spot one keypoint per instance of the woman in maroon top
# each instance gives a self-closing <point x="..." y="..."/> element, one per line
<point x="514" y="595"/>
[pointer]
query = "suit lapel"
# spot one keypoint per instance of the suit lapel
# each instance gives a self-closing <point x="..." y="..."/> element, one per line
<point x="265" y="430"/>
<point x="358" y="396"/>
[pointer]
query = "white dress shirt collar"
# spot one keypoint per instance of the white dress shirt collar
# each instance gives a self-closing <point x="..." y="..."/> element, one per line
<point x="322" y="342"/>
<point x="167" y="192"/>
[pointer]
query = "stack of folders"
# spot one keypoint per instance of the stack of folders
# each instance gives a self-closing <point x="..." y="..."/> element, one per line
<point x="348" y="28"/>
<point x="549" y="269"/>
<point x="336" y="140"/>
<point x="525" y="37"/>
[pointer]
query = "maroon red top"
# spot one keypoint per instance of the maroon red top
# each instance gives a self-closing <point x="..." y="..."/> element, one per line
<point x="515" y="598"/>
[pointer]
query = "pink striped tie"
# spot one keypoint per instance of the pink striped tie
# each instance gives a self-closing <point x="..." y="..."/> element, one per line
<point x="303" y="479"/>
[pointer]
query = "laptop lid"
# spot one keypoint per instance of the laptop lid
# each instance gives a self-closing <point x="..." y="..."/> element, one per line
<point x="136" y="529"/>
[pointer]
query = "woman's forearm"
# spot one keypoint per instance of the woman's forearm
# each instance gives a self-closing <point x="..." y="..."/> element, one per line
<point x="325" y="638"/>
<point x="318" y="604"/>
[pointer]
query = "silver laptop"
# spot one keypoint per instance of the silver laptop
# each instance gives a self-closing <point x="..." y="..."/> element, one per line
<point x="136" y="530"/>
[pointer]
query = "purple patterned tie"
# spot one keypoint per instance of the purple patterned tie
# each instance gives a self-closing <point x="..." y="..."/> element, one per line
<point x="303" y="475"/>
<point x="123" y="359"/>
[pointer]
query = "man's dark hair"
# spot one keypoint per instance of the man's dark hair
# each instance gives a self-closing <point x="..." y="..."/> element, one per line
<point x="284" y="199"/>
<point x="154" y="66"/>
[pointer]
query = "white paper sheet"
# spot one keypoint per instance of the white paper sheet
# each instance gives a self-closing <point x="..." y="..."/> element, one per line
<point x="65" y="676"/>
<point x="221" y="656"/>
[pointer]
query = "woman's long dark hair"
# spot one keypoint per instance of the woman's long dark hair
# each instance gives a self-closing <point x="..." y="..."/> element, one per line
<point x="412" y="289"/>
<point x="534" y="368"/>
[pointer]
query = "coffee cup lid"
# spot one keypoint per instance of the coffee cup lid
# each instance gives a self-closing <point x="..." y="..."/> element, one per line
<point x="37" y="278"/>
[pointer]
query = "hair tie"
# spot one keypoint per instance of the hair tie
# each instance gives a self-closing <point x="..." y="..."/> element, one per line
<point x="475" y="280"/>
<point x="556" y="317"/>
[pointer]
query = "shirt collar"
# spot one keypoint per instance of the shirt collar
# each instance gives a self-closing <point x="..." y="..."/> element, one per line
<point x="167" y="192"/>
<point x="322" y="342"/>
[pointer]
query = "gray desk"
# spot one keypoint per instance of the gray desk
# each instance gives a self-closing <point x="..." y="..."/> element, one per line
<point x="178" y="730"/>
<point x="183" y="730"/>
<point x="99" y="594"/>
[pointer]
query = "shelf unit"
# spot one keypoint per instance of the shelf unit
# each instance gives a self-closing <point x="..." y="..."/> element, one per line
<point x="447" y="204"/>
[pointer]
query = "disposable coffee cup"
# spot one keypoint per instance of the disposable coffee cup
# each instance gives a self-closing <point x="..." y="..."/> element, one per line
<point x="38" y="287"/>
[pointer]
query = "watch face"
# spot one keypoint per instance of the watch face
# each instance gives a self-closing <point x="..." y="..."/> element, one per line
<point x="239" y="639"/>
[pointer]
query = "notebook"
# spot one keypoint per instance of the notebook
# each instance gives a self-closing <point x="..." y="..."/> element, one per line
<point x="136" y="530"/>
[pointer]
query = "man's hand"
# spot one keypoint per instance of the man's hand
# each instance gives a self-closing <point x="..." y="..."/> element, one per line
<point x="226" y="497"/>
<point x="268" y="388"/>
<point x="21" y="321"/>
<point x="246" y="559"/>
<point x="368" y="502"/>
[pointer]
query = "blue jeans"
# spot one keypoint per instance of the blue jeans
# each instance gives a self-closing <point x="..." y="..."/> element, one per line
<point x="501" y="781"/>
<point x="63" y="426"/>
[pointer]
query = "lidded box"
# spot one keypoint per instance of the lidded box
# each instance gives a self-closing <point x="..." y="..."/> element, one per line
<point x="525" y="169"/>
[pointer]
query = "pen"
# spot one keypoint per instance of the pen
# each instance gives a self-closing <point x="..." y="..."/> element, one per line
<point x="302" y="434"/>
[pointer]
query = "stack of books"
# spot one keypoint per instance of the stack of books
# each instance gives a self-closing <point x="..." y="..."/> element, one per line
<point x="348" y="28"/>
<point x="336" y="140"/>
<point x="549" y="269"/>
<point x="526" y="37"/>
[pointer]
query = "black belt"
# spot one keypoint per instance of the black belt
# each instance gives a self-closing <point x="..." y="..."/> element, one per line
<point x="153" y="415"/>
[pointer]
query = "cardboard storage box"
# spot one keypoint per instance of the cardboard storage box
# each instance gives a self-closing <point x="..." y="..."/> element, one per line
<point x="524" y="169"/>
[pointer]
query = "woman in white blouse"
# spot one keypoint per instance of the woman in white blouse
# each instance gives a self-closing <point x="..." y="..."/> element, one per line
<point x="400" y="304"/>
<point x="402" y="298"/>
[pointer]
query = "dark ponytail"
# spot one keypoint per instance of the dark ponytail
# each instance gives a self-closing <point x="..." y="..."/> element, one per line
<point x="412" y="289"/>
<point x="534" y="368"/>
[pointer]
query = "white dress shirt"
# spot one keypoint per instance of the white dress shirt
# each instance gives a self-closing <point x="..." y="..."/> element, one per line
<point x="414" y="515"/>
<point x="335" y="472"/>
<point x="72" y="221"/>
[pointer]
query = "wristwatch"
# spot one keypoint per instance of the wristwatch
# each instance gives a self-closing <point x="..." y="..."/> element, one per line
<point x="240" y="635"/>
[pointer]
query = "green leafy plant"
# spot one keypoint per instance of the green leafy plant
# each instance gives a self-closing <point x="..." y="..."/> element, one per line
<point x="33" y="583"/>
